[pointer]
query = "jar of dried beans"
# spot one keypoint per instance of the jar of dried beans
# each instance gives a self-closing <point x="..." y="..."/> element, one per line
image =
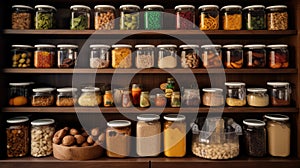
<point x="278" y="56"/>
<point x="144" y="56"/>
<point x="277" y="17"/>
<point x="42" y="97"/>
<point x="185" y="17"/>
<point x="21" y="17"/>
<point x="232" y="17"/>
<point x="190" y="56"/>
<point x="153" y="17"/>
<point x="121" y="56"/>
<point x="209" y="17"/>
<point x="104" y="17"/>
<point x="99" y="56"/>
<point x="66" y="55"/>
<point x="44" y="56"/>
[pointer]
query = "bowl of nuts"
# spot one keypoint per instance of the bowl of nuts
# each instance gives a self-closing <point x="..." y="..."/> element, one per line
<point x="75" y="144"/>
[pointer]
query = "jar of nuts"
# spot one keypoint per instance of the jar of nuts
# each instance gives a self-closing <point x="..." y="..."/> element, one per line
<point x="256" y="55"/>
<point x="90" y="96"/>
<point x="129" y="17"/>
<point x="185" y="17"/>
<point x="44" y="56"/>
<point x="280" y="93"/>
<point x="42" y="131"/>
<point x="236" y="94"/>
<point x="144" y="56"/>
<point x="21" y="56"/>
<point x="99" y="56"/>
<point x="67" y="55"/>
<point x="104" y="17"/>
<point x="211" y="56"/>
<point x="42" y="97"/>
<point x="167" y="57"/>
<point x="44" y="17"/>
<point x="21" y="17"/>
<point x="209" y="17"/>
<point x="80" y="17"/>
<point x="66" y="97"/>
<point x="278" y="56"/>
<point x="213" y="97"/>
<point x="17" y="135"/>
<point x="255" y="17"/>
<point x="19" y="94"/>
<point x="121" y="56"/>
<point x="277" y="17"/>
<point x="233" y="56"/>
<point x="189" y="56"/>
<point x="232" y="17"/>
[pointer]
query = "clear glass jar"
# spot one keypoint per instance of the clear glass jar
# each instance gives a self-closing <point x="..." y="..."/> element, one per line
<point x="255" y="137"/>
<point x="121" y="56"/>
<point x="108" y="100"/>
<point x="21" y="17"/>
<point x="80" y="17"/>
<point x="126" y="98"/>
<point x="236" y="94"/>
<point x="118" y="138"/>
<point x="212" y="97"/>
<point x="90" y="96"/>
<point x="66" y="55"/>
<point x="42" y="97"/>
<point x="153" y="17"/>
<point x="212" y="56"/>
<point x="255" y="17"/>
<point x="104" y="17"/>
<point x="129" y="17"/>
<point x="257" y="97"/>
<point x="232" y="17"/>
<point x="145" y="99"/>
<point x="256" y="55"/>
<point x="118" y="96"/>
<point x="233" y="56"/>
<point x="189" y="56"/>
<point x="66" y="97"/>
<point x="185" y="17"/>
<point x="209" y="17"/>
<point x="277" y="17"/>
<point x="174" y="135"/>
<point x="170" y="88"/>
<point x="21" y="56"/>
<point x="279" y="135"/>
<point x="44" y="17"/>
<point x="42" y="132"/>
<point x="160" y="100"/>
<point x="136" y="94"/>
<point x="148" y="130"/>
<point x="17" y="136"/>
<point x="144" y="56"/>
<point x="175" y="99"/>
<point x="278" y="56"/>
<point x="44" y="56"/>
<point x="19" y="94"/>
<point x="191" y="97"/>
<point x="99" y="56"/>
<point x="280" y="93"/>
<point x="167" y="57"/>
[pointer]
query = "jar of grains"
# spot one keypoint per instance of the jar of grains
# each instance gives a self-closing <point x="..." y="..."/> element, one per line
<point x="236" y="94"/>
<point x="44" y="56"/>
<point x="99" y="56"/>
<point x="121" y="56"/>
<point x="232" y="17"/>
<point x="66" y="97"/>
<point x="19" y="94"/>
<point x="21" y="17"/>
<point x="42" y="97"/>
<point x="129" y="17"/>
<point x="44" y="17"/>
<point x="185" y="17"/>
<point x="21" y="56"/>
<point x="90" y="96"/>
<point x="277" y="17"/>
<point x="153" y="17"/>
<point x="280" y="93"/>
<point x="80" y="17"/>
<point x="212" y="56"/>
<point x="189" y="56"/>
<point x="257" y="97"/>
<point x="233" y="56"/>
<point x="213" y="97"/>
<point x="255" y="17"/>
<point x="167" y="57"/>
<point x="256" y="55"/>
<point x="67" y="55"/>
<point x="191" y="98"/>
<point x="104" y="17"/>
<point x="144" y="56"/>
<point x="278" y="56"/>
<point x="209" y="17"/>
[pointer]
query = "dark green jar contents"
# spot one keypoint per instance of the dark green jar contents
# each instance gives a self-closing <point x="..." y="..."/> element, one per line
<point x="44" y="17"/>
<point x="80" y="17"/>
<point x="255" y="17"/>
<point x="153" y="17"/>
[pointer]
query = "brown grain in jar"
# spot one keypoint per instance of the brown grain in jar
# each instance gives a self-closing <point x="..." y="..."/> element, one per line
<point x="213" y="97"/>
<point x="66" y="97"/>
<point x="104" y="17"/>
<point x="42" y="97"/>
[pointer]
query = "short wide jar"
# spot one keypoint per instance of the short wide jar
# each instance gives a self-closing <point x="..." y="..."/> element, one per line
<point x="44" y="17"/>
<point x="99" y="56"/>
<point x="19" y="94"/>
<point x="66" y="97"/>
<point x="90" y="96"/>
<point x="236" y="94"/>
<point x="43" y="97"/>
<point x="232" y="17"/>
<point x="280" y="93"/>
<point x="213" y="97"/>
<point x="257" y="97"/>
<point x="80" y="17"/>
<point x="167" y="57"/>
<point x="21" y="56"/>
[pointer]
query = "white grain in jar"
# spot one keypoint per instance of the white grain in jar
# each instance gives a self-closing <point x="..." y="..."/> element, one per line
<point x="213" y="97"/>
<point x="257" y="97"/>
<point x="144" y="56"/>
<point x="167" y="57"/>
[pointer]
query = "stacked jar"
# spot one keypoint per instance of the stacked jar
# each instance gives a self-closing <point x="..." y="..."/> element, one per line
<point x="209" y="17"/>
<point x="44" y="17"/>
<point x="153" y="17"/>
<point x="233" y="56"/>
<point x="189" y="56"/>
<point x="277" y="17"/>
<point x="129" y="17"/>
<point x="144" y="56"/>
<point x="80" y="17"/>
<point x="21" y="17"/>
<point x="185" y="17"/>
<point x="67" y="55"/>
<point x="255" y="17"/>
<point x="99" y="56"/>
<point x="44" y="56"/>
<point x="104" y="17"/>
<point x="211" y="56"/>
<point x="232" y="17"/>
<point x="21" y="56"/>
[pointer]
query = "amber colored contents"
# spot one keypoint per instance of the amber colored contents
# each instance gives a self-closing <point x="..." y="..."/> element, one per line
<point x="136" y="93"/>
<point x="121" y="58"/>
<point x="108" y="100"/>
<point x="43" y="59"/>
<point x="118" y="142"/>
<point x="174" y="139"/>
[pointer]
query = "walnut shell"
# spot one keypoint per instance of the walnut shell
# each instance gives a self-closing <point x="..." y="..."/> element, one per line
<point x="74" y="131"/>
<point x="79" y="139"/>
<point x="68" y="140"/>
<point x="61" y="133"/>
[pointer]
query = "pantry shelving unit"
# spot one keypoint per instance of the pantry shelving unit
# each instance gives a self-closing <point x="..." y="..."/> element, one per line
<point x="151" y="78"/>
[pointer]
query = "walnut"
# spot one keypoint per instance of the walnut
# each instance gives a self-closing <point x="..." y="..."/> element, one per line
<point x="68" y="140"/>
<point x="79" y="139"/>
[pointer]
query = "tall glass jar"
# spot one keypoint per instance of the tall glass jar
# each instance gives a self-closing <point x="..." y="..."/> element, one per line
<point x="280" y="93"/>
<point x="66" y="97"/>
<point x="255" y="17"/>
<point x="104" y="17"/>
<point x="167" y="57"/>
<point x="255" y="137"/>
<point x="42" y="97"/>
<point x="191" y="98"/>
<point x="44" y="56"/>
<point x="279" y="135"/>
<point x="212" y="97"/>
<point x="153" y="17"/>
<point x="145" y="99"/>
<point x="17" y="136"/>
<point x="232" y="17"/>
<point x="90" y="96"/>
<point x="80" y="17"/>
<point x="257" y="97"/>
<point x="208" y="17"/>
<point x="185" y="17"/>
<point x="277" y="17"/>
<point x="67" y="55"/>
<point x="236" y="94"/>
<point x="278" y="56"/>
<point x="129" y="17"/>
<point x="19" y="94"/>
<point x="256" y="55"/>
<point x="42" y="132"/>
<point x="175" y="99"/>
<point x="21" y="17"/>
<point x="121" y="56"/>
<point x="189" y="56"/>
<point x="44" y="17"/>
<point x="174" y="135"/>
<point x="108" y="100"/>
<point x="144" y="56"/>
<point x="233" y="56"/>
<point x="21" y="56"/>
<point x="99" y="56"/>
<point x="126" y="98"/>
<point x="211" y="56"/>
<point x="148" y="130"/>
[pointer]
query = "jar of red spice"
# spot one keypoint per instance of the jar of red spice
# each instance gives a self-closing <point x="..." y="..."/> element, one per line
<point x="185" y="17"/>
<point x="44" y="56"/>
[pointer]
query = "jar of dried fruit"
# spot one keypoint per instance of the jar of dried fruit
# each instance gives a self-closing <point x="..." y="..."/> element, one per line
<point x="44" y="56"/>
<point x="256" y="55"/>
<point x="185" y="17"/>
<point x="278" y="56"/>
<point x="104" y="17"/>
<point x="189" y="56"/>
<point x="21" y="56"/>
<point x="99" y="56"/>
<point x="211" y="56"/>
<point x="21" y="17"/>
<point x="233" y="56"/>
<point x="66" y="55"/>
<point x="280" y="93"/>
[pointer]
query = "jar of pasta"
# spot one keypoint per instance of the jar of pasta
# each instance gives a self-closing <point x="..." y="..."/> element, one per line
<point x="118" y="138"/>
<point x="104" y="17"/>
<point x="167" y="57"/>
<point x="80" y="17"/>
<point x="278" y="56"/>
<point x="209" y="17"/>
<point x="185" y="17"/>
<point x="44" y="56"/>
<point x="108" y="100"/>
<point x="66" y="97"/>
<point x="21" y="56"/>
<point x="174" y="135"/>
<point x="232" y="17"/>
<point x="44" y="17"/>
<point x="189" y="56"/>
<point x="211" y="56"/>
<point x="67" y="55"/>
<point x="90" y="96"/>
<point x="236" y="94"/>
<point x="129" y="17"/>
<point x="277" y="17"/>
<point x="42" y="97"/>
<point x="191" y="98"/>
<point x="255" y="17"/>
<point x="121" y="56"/>
<point x="233" y="56"/>
<point x="19" y="94"/>
<point x="280" y="93"/>
<point x="99" y="56"/>
<point x="212" y="97"/>
<point x="256" y="55"/>
<point x="175" y="99"/>
<point x="257" y="97"/>
<point x="21" y="17"/>
<point x="144" y="56"/>
<point x="153" y="17"/>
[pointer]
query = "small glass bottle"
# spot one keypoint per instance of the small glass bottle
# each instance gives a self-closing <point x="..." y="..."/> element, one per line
<point x="19" y="94"/>
<point x="213" y="97"/>
<point x="67" y="55"/>
<point x="108" y="100"/>
<point x="129" y="17"/>
<point x="167" y="57"/>
<point x="277" y="17"/>
<point x="233" y="56"/>
<point x="185" y="17"/>
<point x="136" y="94"/>
<point x="160" y="100"/>
<point x="153" y="17"/>
<point x="189" y="56"/>
<point x="80" y="17"/>
<point x="44" y="56"/>
<point x="170" y="87"/>
<point x="256" y="55"/>
<point x="144" y="99"/>
<point x="44" y="17"/>
<point x="21" y="17"/>
<point x="144" y="56"/>
<point x="212" y="56"/>
<point x="21" y="56"/>
<point x="66" y="97"/>
<point x="280" y="93"/>
<point x="232" y="17"/>
<point x="257" y="97"/>
<point x="255" y="17"/>
<point x="175" y="99"/>
<point x="209" y="17"/>
<point x="121" y="56"/>
<point x="90" y="96"/>
<point x="126" y="98"/>
<point x="104" y="17"/>
<point x="99" y="56"/>
<point x="191" y="98"/>
<point x="278" y="56"/>
<point x="42" y="97"/>
<point x="236" y="94"/>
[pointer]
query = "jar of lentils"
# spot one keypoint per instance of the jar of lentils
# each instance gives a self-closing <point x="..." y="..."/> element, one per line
<point x="104" y="17"/>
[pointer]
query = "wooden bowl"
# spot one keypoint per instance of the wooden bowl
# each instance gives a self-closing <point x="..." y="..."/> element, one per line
<point x="77" y="153"/>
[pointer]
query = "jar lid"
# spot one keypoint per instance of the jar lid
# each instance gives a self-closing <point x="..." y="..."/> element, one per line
<point x="174" y="117"/>
<point x="90" y="89"/>
<point x="211" y="46"/>
<point x="278" y="83"/>
<point x="80" y="6"/>
<point x="254" y="6"/>
<point x="256" y="90"/>
<point x="99" y="46"/>
<point x="104" y="6"/>
<point x="121" y="46"/>
<point x="148" y="117"/>
<point x="277" y="117"/>
<point x="235" y="84"/>
<point x="231" y="6"/>
<point x="64" y="90"/>
<point x="212" y="90"/>
<point x="255" y="46"/>
<point x="276" y="6"/>
<point x="22" y="46"/>
<point x="233" y="46"/>
<point x="189" y="46"/>
<point x="44" y="46"/>
<point x="19" y="119"/>
<point x="43" y="90"/>
<point x="153" y="6"/>
<point x="254" y="122"/>
<point x="45" y="6"/>
<point x="277" y="46"/>
<point x="119" y="123"/>
<point x="20" y="84"/>
<point x="22" y="6"/>
<point x="45" y="121"/>
<point x="129" y="6"/>
<point x="67" y="46"/>
<point x="184" y="6"/>
<point x="166" y="46"/>
<point x="144" y="46"/>
<point x="208" y="6"/>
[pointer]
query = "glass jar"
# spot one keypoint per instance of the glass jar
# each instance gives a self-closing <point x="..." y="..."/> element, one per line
<point x="42" y="132"/>
<point x="66" y="97"/>
<point x="175" y="99"/>
<point x="255" y="137"/>
<point x="21" y="17"/>
<point x="280" y="93"/>
<point x="136" y="94"/>
<point x="233" y="56"/>
<point x="126" y="98"/>
<point x="153" y="17"/>
<point x="211" y="56"/>
<point x="90" y="96"/>
<point x="118" y="96"/>
<point x="257" y="97"/>
<point x="160" y="100"/>
<point x="17" y="134"/>
<point x="148" y="130"/>
<point x="144" y="99"/>
<point x="278" y="56"/>
<point x="279" y="135"/>
<point x="277" y="17"/>
<point x="19" y="94"/>
<point x="174" y="135"/>
<point x="44" y="56"/>
<point x="44" y="17"/>
<point x="232" y="17"/>
<point x="108" y="100"/>
<point x="236" y="94"/>
<point x="66" y="55"/>
<point x="42" y="97"/>
<point x="121" y="56"/>
<point x="118" y="138"/>
<point x="209" y="17"/>
<point x="144" y="56"/>
<point x="256" y="55"/>
<point x="129" y="17"/>
<point x="21" y="56"/>
<point x="167" y="56"/>
<point x="99" y="56"/>
<point x="191" y="98"/>
<point x="80" y="17"/>
<point x="169" y="88"/>
<point x="255" y="17"/>
<point x="104" y="17"/>
<point x="213" y="97"/>
<point x="185" y="17"/>
<point x="189" y="56"/>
